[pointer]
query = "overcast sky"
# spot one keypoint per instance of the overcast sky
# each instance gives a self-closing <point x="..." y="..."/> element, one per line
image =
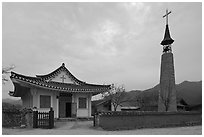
<point x="101" y="43"/>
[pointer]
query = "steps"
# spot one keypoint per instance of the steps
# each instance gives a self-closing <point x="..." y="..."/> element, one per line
<point x="74" y="119"/>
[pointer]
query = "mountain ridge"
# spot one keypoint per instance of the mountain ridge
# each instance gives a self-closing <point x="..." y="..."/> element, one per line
<point x="190" y="91"/>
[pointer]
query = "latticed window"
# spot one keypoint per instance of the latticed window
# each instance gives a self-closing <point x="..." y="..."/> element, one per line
<point x="45" y="101"/>
<point x="82" y="102"/>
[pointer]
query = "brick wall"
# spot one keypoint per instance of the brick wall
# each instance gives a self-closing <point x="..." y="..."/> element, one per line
<point x="132" y="120"/>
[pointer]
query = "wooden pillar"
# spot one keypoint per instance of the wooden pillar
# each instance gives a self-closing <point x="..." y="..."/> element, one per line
<point x="89" y="105"/>
<point x="35" y="119"/>
<point x="51" y="118"/>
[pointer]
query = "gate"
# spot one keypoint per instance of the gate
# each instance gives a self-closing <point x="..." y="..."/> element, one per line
<point x="43" y="119"/>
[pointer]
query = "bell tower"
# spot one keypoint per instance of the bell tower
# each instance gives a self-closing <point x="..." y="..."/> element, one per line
<point x="167" y="92"/>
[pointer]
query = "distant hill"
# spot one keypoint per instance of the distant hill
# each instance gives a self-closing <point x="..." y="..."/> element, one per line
<point x="10" y="104"/>
<point x="132" y="95"/>
<point x="12" y="101"/>
<point x="190" y="92"/>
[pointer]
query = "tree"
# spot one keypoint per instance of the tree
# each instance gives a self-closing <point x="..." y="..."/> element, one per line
<point x="116" y="95"/>
<point x="167" y="97"/>
<point x="140" y="101"/>
<point x="5" y="71"/>
<point x="147" y="100"/>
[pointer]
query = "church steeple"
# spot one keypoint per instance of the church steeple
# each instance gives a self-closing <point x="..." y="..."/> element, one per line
<point x="167" y="41"/>
<point x="167" y="89"/>
<point x="167" y="38"/>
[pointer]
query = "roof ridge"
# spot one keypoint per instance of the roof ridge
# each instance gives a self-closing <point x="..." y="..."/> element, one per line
<point x="46" y="75"/>
<point x="58" y="70"/>
<point x="57" y="85"/>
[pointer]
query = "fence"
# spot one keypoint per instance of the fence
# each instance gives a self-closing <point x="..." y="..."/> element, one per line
<point x="133" y="120"/>
<point x="43" y="119"/>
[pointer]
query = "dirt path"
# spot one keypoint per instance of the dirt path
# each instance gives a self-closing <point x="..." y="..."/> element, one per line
<point x="86" y="128"/>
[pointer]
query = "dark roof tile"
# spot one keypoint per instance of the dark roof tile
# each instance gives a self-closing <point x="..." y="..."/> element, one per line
<point x="57" y="85"/>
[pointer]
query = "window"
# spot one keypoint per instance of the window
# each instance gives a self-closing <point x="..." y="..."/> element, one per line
<point x="82" y="102"/>
<point x="45" y="101"/>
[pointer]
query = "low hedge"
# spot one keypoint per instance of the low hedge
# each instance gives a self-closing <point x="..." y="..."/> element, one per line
<point x="12" y="117"/>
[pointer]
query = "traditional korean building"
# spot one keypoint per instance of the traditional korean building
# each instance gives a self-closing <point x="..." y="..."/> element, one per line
<point x="67" y="95"/>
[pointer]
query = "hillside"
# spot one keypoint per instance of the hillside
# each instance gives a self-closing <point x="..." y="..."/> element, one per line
<point x="12" y="101"/>
<point x="191" y="92"/>
<point x="11" y="104"/>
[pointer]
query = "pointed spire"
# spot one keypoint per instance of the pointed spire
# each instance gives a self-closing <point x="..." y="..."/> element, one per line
<point x="167" y="38"/>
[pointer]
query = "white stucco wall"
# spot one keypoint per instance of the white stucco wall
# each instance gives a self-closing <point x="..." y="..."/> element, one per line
<point x="83" y="112"/>
<point x="54" y="101"/>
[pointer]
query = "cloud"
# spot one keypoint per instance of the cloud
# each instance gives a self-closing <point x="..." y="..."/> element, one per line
<point x="104" y="37"/>
<point x="101" y="42"/>
<point x="137" y="11"/>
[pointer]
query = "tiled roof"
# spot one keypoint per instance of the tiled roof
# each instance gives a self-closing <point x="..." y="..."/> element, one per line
<point x="57" y="71"/>
<point x="40" y="81"/>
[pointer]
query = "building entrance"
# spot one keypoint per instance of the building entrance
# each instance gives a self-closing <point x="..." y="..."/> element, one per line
<point x="65" y="105"/>
<point x="68" y="109"/>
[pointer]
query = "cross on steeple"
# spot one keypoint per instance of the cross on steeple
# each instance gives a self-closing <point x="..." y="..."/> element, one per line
<point x="167" y="41"/>
<point x="166" y="15"/>
<point x="63" y="78"/>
